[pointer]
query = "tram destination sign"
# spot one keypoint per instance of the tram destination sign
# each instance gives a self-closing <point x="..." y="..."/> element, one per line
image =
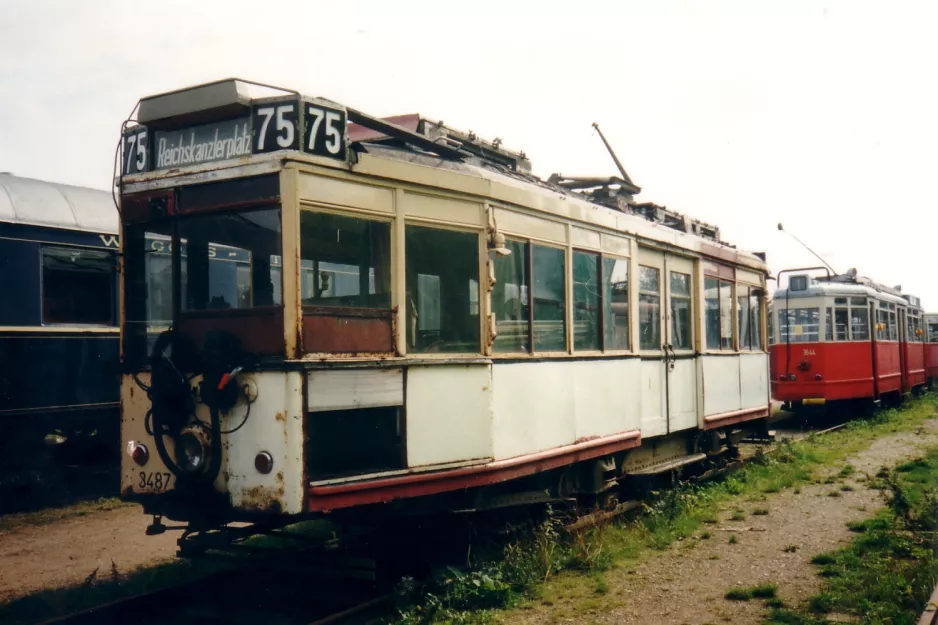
<point x="307" y="125"/>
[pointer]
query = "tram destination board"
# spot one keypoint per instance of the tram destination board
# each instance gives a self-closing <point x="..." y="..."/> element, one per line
<point x="308" y="125"/>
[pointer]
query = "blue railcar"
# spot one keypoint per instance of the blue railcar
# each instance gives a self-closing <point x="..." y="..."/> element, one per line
<point x="59" y="349"/>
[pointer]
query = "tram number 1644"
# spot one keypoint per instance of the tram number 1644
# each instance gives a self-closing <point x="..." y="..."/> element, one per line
<point x="154" y="480"/>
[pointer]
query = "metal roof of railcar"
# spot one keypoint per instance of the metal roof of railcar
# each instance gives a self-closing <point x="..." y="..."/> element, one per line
<point x="41" y="203"/>
<point x="835" y="289"/>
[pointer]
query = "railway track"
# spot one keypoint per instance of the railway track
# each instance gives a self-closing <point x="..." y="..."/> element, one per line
<point x="338" y="583"/>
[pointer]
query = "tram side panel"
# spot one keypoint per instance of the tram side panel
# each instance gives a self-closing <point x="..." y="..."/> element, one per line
<point x="888" y="367"/>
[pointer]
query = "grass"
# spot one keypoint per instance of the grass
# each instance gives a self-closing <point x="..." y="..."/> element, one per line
<point x="762" y="591"/>
<point x="760" y="511"/>
<point x="888" y="571"/>
<point x="738" y="515"/>
<point x="528" y="567"/>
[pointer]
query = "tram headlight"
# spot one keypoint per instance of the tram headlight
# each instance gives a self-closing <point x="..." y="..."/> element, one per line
<point x="140" y="453"/>
<point x="192" y="449"/>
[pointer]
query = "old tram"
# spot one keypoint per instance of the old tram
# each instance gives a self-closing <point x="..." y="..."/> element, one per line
<point x="358" y="313"/>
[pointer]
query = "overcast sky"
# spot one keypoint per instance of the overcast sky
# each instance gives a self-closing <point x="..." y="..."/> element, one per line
<point x="821" y="115"/>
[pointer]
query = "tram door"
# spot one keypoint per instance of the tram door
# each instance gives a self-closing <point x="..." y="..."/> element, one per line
<point x="666" y="345"/>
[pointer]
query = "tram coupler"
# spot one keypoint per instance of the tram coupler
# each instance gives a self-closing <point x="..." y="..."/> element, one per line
<point x="156" y="527"/>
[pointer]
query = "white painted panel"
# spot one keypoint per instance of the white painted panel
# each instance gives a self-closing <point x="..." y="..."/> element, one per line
<point x="585" y="238"/>
<point x="275" y="425"/>
<point x="510" y="222"/>
<point x="750" y="277"/>
<point x="534" y="407"/>
<point x="607" y="396"/>
<point x="449" y="414"/>
<point x="354" y="388"/>
<point x="341" y="193"/>
<point x="682" y="395"/>
<point x="652" y="393"/>
<point x="442" y="209"/>
<point x="616" y="245"/>
<point x="720" y="384"/>
<point x="754" y="379"/>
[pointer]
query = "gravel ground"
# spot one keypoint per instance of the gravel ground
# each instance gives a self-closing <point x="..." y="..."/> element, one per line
<point x="686" y="584"/>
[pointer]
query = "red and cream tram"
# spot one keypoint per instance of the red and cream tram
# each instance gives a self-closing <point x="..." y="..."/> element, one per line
<point x="844" y="337"/>
<point x="414" y="315"/>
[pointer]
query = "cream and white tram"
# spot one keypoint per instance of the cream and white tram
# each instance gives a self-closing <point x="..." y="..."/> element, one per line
<point x="413" y="317"/>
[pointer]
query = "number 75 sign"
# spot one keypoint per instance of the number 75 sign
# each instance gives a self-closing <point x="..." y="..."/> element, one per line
<point x="312" y="126"/>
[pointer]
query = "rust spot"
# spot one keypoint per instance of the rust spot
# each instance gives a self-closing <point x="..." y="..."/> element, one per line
<point x="131" y="391"/>
<point x="282" y="417"/>
<point x="262" y="499"/>
<point x="585" y="439"/>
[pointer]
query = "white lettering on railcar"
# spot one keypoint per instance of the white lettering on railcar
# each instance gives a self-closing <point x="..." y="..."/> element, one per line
<point x="187" y="151"/>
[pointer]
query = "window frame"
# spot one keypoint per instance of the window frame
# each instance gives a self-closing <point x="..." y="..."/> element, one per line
<point x="403" y="317"/>
<point x="734" y="315"/>
<point x="756" y="291"/>
<point x="358" y="311"/>
<point x="113" y="292"/>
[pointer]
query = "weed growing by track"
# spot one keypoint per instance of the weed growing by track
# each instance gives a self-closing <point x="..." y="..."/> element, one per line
<point x="888" y="572"/>
<point x="548" y="554"/>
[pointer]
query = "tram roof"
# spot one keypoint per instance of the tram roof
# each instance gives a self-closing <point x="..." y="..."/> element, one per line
<point x="33" y="202"/>
<point x="819" y="288"/>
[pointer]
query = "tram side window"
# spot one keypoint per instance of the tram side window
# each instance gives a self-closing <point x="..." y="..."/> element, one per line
<point x="649" y="308"/>
<point x="148" y="289"/>
<point x="893" y="326"/>
<point x="680" y="311"/>
<point x="442" y="271"/>
<point x="744" y="317"/>
<point x="750" y="317"/>
<point x="755" y="307"/>
<point x="550" y="327"/>
<point x="839" y="329"/>
<point x="882" y="324"/>
<point x="859" y="323"/>
<point x="771" y="326"/>
<point x="586" y="301"/>
<point x="933" y="331"/>
<point x="77" y="286"/>
<point x="616" y="303"/>
<point x="718" y="297"/>
<point x="346" y="261"/>
<point x="799" y="325"/>
<point x="510" y="302"/>
<point x="228" y="260"/>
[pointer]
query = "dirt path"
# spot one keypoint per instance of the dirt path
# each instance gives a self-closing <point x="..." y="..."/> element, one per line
<point x="65" y="552"/>
<point x="686" y="584"/>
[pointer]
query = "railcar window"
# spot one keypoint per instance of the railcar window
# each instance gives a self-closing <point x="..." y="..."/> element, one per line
<point x="840" y="301"/>
<point x="858" y="301"/>
<point x="346" y="261"/>
<point x="915" y="334"/>
<point x="799" y="325"/>
<point x="510" y="301"/>
<point x="933" y="331"/>
<point x="680" y="311"/>
<point x="550" y="327"/>
<point x="859" y="324"/>
<point x="893" y="327"/>
<point x="718" y="296"/>
<point x="882" y="324"/>
<point x="744" y="317"/>
<point x="755" y="326"/>
<point x="586" y="301"/>
<point x="771" y="326"/>
<point x="77" y="286"/>
<point x="148" y="288"/>
<point x="649" y="308"/>
<point x="616" y="303"/>
<point x="229" y="260"/>
<point x="442" y="271"/>
<point x="841" y="324"/>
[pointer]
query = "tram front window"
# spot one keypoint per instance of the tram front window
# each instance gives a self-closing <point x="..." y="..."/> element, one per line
<point x="230" y="260"/>
<point x="148" y="287"/>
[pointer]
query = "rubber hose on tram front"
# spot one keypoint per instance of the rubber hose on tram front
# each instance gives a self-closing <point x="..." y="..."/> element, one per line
<point x="170" y="400"/>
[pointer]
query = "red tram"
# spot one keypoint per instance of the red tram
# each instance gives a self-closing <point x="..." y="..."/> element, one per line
<point x="844" y="337"/>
